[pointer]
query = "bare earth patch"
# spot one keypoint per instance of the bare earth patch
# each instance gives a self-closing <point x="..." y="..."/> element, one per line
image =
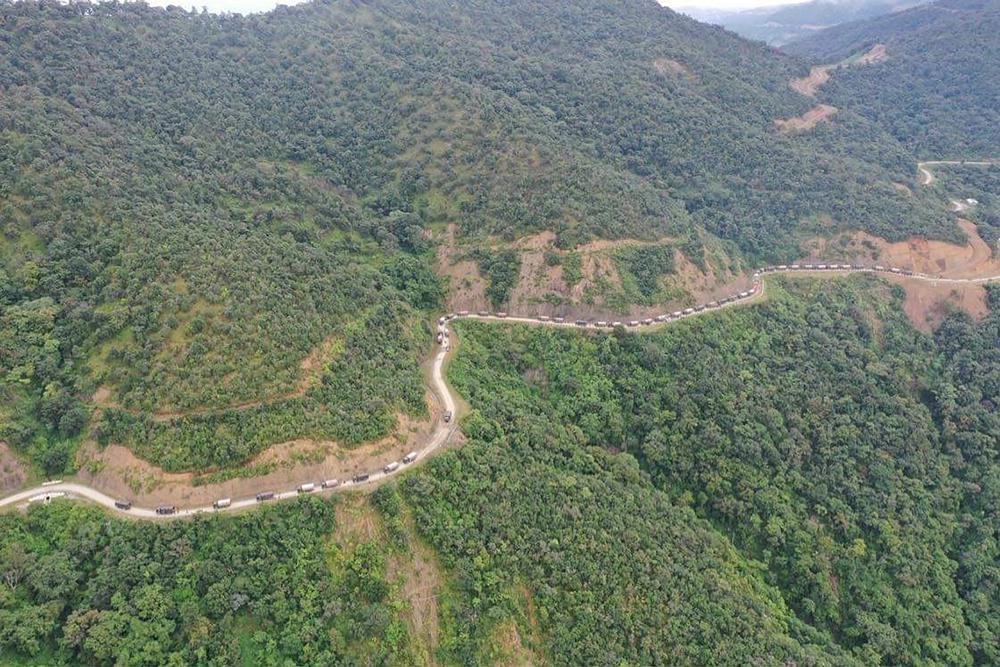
<point x="820" y="74"/>
<point x="806" y="121"/>
<point x="666" y="66"/>
<point x="421" y="580"/>
<point x="513" y="653"/>
<point x="874" y="55"/>
<point x="808" y="85"/>
<point x="542" y="289"/>
<point x="466" y="287"/>
<point x="12" y="472"/>
<point x="926" y="302"/>
<point x="117" y="471"/>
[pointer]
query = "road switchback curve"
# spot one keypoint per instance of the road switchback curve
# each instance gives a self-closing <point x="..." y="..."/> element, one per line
<point x="446" y="426"/>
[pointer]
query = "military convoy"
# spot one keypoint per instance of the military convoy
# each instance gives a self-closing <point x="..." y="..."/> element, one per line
<point x="691" y="310"/>
<point x="389" y="468"/>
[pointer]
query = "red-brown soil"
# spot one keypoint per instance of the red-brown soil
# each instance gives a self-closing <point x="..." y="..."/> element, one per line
<point x="119" y="472"/>
<point x="806" y="121"/>
<point x="820" y="74"/>
<point x="926" y="302"/>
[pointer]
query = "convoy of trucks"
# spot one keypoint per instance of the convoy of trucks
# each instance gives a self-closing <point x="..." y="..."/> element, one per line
<point x="698" y="308"/>
<point x="442" y="335"/>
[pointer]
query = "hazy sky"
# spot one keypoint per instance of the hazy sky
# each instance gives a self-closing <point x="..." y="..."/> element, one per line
<point x="250" y="6"/>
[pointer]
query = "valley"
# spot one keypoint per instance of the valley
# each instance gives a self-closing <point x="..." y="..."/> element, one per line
<point x="535" y="332"/>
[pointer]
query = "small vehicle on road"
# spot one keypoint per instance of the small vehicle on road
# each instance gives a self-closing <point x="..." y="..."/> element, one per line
<point x="124" y="505"/>
<point x="264" y="496"/>
<point x="164" y="510"/>
<point x="447" y="416"/>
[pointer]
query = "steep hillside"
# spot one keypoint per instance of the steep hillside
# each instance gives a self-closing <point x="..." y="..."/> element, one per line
<point x="937" y="90"/>
<point x="219" y="232"/>
<point x="851" y="456"/>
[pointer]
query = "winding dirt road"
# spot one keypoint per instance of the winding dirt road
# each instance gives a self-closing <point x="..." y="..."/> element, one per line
<point x="446" y="427"/>
<point x="927" y="176"/>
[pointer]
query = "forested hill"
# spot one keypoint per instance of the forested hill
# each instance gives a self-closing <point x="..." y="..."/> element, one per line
<point x="589" y="118"/>
<point x="195" y="208"/>
<point x="938" y="90"/>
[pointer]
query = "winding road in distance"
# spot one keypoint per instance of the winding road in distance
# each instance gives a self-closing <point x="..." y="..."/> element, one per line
<point x="446" y="427"/>
<point x="927" y="176"/>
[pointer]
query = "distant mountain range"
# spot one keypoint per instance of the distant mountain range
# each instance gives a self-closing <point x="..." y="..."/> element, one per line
<point x="788" y="23"/>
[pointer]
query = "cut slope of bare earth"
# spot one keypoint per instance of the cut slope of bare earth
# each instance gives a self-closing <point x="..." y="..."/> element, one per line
<point x="542" y="289"/>
<point x="926" y="303"/>
<point x="820" y="74"/>
<point x="809" y="85"/>
<point x="806" y="121"/>
<point x="119" y="472"/>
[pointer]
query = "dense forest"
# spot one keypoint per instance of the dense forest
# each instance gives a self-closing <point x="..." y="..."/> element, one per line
<point x="197" y="207"/>
<point x="847" y="455"/>
<point x="809" y="480"/>
<point x="218" y="233"/>
<point x="936" y="91"/>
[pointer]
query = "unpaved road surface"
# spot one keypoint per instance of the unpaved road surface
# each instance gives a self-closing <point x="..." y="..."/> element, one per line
<point x="927" y="176"/>
<point x="446" y="425"/>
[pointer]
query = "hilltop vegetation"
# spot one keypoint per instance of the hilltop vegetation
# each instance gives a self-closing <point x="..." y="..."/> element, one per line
<point x="936" y="91"/>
